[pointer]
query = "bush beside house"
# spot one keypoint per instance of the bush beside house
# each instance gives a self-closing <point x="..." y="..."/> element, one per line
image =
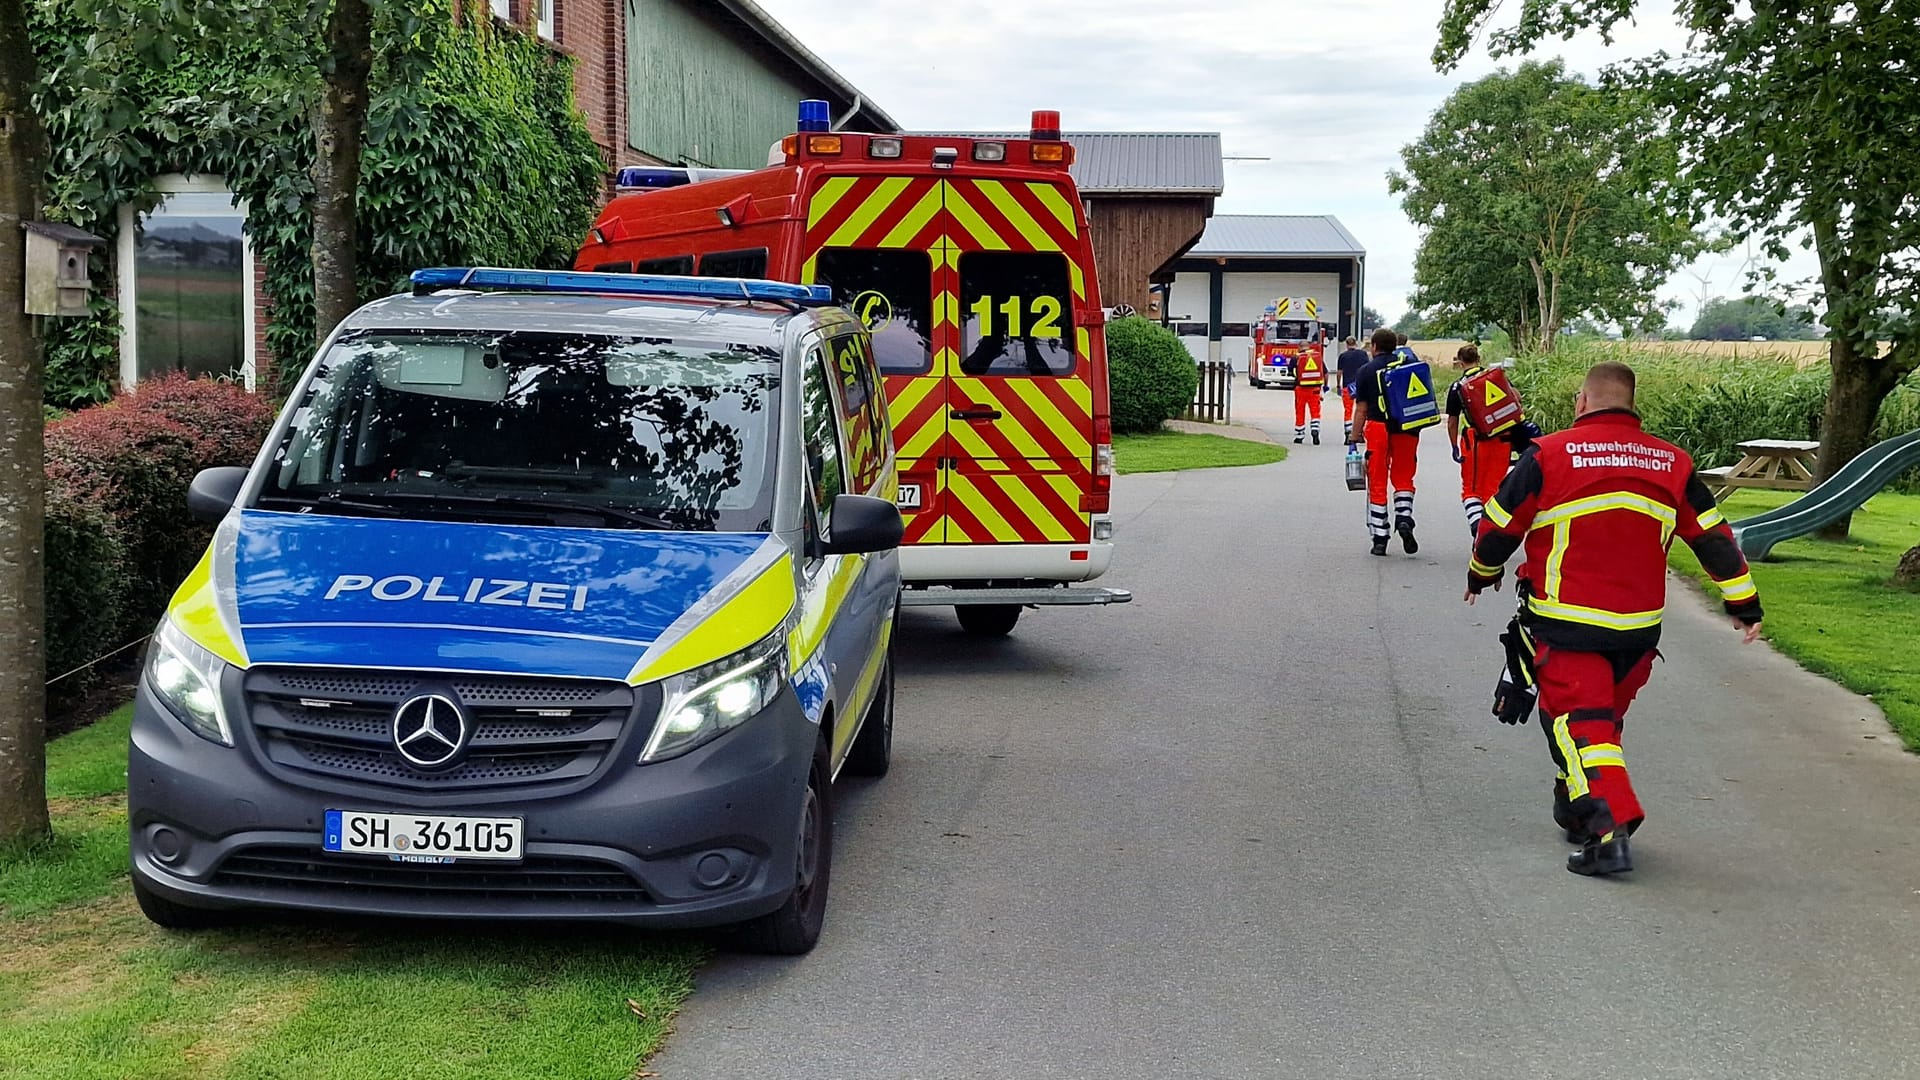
<point x="118" y="539"/>
<point x="1151" y="376"/>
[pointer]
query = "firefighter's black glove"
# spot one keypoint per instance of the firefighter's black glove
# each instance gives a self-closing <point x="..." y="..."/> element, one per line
<point x="1479" y="583"/>
<point x="1747" y="611"/>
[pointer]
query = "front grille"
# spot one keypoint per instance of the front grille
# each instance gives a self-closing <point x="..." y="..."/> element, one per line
<point x="339" y="724"/>
<point x="538" y="877"/>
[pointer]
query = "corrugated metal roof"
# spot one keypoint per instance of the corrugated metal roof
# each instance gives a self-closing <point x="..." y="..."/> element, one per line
<point x="1275" y="236"/>
<point x="1136" y="162"/>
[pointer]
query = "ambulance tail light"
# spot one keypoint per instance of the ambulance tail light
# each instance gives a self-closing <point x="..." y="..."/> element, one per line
<point x="884" y="148"/>
<point x="824" y="145"/>
<point x="1099" y="498"/>
<point x="989" y="151"/>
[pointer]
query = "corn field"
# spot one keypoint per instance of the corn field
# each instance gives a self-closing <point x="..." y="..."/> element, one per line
<point x="1708" y="404"/>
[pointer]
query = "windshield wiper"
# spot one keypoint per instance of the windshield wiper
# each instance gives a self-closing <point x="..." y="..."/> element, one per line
<point x="330" y="499"/>
<point x="604" y="511"/>
<point x="566" y="478"/>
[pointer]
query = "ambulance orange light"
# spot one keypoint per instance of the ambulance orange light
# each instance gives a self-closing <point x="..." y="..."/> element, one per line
<point x="823" y="144"/>
<point x="790" y="145"/>
<point x="1049" y="153"/>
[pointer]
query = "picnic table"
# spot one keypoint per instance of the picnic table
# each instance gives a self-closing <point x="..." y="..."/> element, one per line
<point x="1779" y="464"/>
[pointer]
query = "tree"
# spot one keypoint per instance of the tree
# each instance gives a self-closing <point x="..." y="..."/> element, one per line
<point x="339" y="135"/>
<point x="1793" y="118"/>
<point x="1371" y="320"/>
<point x="23" y="168"/>
<point x="1411" y="323"/>
<point x="1535" y="193"/>
<point x="1747" y="317"/>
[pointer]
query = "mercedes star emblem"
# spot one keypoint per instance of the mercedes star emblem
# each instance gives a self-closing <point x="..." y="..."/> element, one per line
<point x="429" y="731"/>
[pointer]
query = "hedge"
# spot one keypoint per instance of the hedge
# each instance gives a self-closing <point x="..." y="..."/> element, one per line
<point x="1151" y="376"/>
<point x="118" y="538"/>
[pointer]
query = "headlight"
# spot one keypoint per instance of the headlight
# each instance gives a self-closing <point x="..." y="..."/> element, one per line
<point x="705" y="703"/>
<point x="186" y="678"/>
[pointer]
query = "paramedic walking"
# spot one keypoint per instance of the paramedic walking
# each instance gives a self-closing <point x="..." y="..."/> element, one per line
<point x="1483" y="458"/>
<point x="1350" y="363"/>
<point x="1595" y="507"/>
<point x="1309" y="384"/>
<point x="1391" y="432"/>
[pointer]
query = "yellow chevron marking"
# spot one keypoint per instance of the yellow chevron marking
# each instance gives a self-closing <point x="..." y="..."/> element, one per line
<point x="900" y="405"/>
<point x="1064" y="428"/>
<point x="923" y="211"/>
<point x="919" y="443"/>
<point x="970" y="442"/>
<point x="970" y="219"/>
<point x="1068" y="488"/>
<point x="944" y="359"/>
<point x="809" y="268"/>
<point x="996" y="192"/>
<point x="1079" y="282"/>
<point x="830" y="193"/>
<point x="1014" y="432"/>
<point x="955" y="534"/>
<point x="1083" y="342"/>
<point x="1081" y="393"/>
<point x="856" y="226"/>
<point x="974" y="500"/>
<point x="944" y="250"/>
<point x="1017" y="488"/>
<point x="1051" y="198"/>
<point x="946" y="310"/>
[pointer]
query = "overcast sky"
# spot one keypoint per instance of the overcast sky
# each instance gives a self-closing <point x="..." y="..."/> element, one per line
<point x="1329" y="91"/>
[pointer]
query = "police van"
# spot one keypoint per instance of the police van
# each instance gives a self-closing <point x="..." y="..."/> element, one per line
<point x="971" y="261"/>
<point x="550" y="596"/>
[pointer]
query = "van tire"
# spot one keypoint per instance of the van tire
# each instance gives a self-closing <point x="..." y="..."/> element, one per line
<point x="794" y="927"/>
<point x="168" y="915"/>
<point x="872" y="750"/>
<point x="988" y="620"/>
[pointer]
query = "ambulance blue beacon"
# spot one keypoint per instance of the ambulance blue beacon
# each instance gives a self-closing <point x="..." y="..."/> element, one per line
<point x="552" y="596"/>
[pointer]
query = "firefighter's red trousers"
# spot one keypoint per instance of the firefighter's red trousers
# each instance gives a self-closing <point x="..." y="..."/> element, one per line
<point x="1306" y="401"/>
<point x="1483" y="464"/>
<point x="1583" y="703"/>
<point x="1392" y="458"/>
<point x="1346" y="403"/>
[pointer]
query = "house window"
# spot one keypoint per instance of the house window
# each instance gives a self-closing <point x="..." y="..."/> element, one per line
<point x="501" y="10"/>
<point x="545" y="27"/>
<point x="186" y="284"/>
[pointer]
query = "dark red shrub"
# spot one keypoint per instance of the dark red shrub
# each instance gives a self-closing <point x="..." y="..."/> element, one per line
<point x="227" y="423"/>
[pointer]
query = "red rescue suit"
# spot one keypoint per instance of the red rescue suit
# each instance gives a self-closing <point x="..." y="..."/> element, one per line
<point x="1596" y="507"/>
<point x="1309" y="383"/>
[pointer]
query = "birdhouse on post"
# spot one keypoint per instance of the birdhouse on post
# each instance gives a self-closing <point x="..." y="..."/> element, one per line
<point x="57" y="278"/>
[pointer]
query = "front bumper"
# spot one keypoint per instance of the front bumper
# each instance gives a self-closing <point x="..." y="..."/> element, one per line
<point x="700" y="840"/>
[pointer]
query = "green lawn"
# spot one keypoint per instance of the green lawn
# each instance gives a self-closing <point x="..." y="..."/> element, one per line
<point x="89" y="989"/>
<point x="1167" y="451"/>
<point x="1830" y="608"/>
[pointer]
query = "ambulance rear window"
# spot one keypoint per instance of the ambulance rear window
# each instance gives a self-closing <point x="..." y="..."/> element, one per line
<point x="1016" y="314"/>
<point x="892" y="292"/>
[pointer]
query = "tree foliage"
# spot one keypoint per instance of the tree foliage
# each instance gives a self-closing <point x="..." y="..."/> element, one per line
<point x="475" y="151"/>
<point x="1371" y="320"/>
<point x="1797" y="121"/>
<point x="1742" y="318"/>
<point x="1538" y="197"/>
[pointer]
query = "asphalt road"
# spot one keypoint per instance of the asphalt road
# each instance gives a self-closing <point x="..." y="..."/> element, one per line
<point x="1259" y="823"/>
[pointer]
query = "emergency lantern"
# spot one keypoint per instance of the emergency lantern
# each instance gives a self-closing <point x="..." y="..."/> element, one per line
<point x="1407" y="386"/>
<point x="1490" y="402"/>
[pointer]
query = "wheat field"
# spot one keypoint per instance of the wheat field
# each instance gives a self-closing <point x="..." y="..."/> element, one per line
<point x="1801" y="352"/>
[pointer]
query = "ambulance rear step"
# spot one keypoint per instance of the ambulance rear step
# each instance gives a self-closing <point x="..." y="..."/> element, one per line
<point x="944" y="596"/>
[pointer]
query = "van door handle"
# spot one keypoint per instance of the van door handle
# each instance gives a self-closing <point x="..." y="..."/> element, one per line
<point x="975" y="414"/>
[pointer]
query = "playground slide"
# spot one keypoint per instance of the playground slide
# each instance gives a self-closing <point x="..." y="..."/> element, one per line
<point x="1861" y="479"/>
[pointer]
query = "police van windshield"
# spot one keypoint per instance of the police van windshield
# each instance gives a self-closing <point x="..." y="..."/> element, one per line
<point x="539" y="428"/>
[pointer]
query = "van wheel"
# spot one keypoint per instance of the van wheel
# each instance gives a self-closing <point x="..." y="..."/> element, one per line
<point x="794" y="928"/>
<point x="872" y="752"/>
<point x="988" y="620"/>
<point x="164" y="913"/>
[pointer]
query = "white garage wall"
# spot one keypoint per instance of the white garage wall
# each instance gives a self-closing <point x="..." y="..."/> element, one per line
<point x="1244" y="297"/>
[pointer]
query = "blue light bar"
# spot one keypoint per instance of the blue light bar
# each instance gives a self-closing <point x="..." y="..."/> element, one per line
<point x="642" y="176"/>
<point x="573" y="281"/>
<point x="815" y="115"/>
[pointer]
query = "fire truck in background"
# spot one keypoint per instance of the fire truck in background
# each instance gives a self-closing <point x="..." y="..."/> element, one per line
<point x="1289" y="327"/>
<point x="970" y="262"/>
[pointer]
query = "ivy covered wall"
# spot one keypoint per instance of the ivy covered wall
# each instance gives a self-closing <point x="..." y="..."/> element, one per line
<point x="475" y="154"/>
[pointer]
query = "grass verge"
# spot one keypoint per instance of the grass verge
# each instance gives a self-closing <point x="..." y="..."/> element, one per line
<point x="90" y="990"/>
<point x="1829" y="605"/>
<point x="1168" y="451"/>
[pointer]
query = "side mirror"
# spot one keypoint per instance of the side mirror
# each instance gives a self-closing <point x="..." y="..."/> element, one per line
<point x="863" y="524"/>
<point x="213" y="491"/>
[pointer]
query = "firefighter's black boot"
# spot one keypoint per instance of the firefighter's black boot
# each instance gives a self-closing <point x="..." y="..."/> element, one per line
<point x="1405" y="528"/>
<point x="1602" y="856"/>
<point x="1316" y="433"/>
<point x="1380" y="546"/>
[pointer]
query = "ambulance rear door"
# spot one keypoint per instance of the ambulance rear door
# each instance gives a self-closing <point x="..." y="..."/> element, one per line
<point x="1019" y="388"/>
<point x="874" y="239"/>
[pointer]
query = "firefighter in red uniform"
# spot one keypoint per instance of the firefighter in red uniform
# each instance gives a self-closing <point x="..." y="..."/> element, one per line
<point x="1309" y="383"/>
<point x="1483" y="461"/>
<point x="1595" y="507"/>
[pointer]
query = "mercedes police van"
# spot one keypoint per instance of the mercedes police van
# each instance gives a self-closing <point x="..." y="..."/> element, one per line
<point x="550" y="596"/>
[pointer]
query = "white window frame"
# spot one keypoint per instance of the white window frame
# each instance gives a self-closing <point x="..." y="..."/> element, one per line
<point x="544" y="26"/>
<point x="502" y="9"/>
<point x="177" y="184"/>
